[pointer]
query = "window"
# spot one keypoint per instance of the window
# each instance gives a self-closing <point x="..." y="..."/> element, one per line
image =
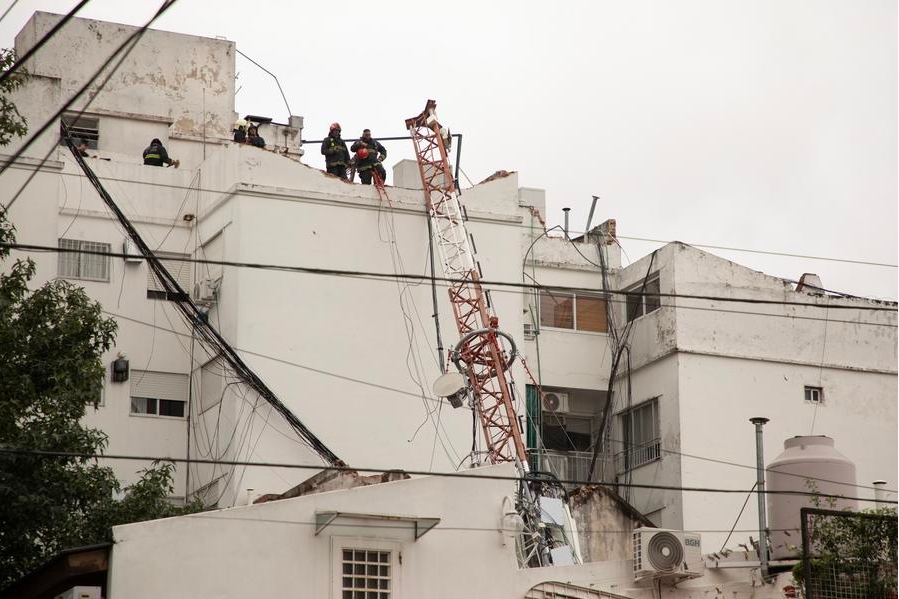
<point x="640" y="435"/>
<point x="178" y="266"/>
<point x="814" y="395"/>
<point x="75" y="265"/>
<point x="571" y="311"/>
<point x="366" y="574"/>
<point x="86" y="128"/>
<point x="158" y="393"/>
<point x="638" y="303"/>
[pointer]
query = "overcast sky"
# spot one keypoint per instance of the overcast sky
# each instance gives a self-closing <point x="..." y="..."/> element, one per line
<point x="767" y="125"/>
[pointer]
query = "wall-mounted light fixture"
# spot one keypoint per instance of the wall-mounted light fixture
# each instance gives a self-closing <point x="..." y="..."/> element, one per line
<point x="120" y="369"/>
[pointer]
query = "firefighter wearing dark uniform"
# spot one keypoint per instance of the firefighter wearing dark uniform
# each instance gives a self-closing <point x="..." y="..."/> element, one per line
<point x="371" y="158"/>
<point x="337" y="157"/>
<point x="155" y="155"/>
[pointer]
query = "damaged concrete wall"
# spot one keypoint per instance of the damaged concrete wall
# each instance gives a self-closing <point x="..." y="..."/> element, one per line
<point x="605" y="523"/>
<point x="170" y="79"/>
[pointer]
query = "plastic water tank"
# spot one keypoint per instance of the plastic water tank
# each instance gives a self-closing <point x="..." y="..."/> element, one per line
<point x="807" y="464"/>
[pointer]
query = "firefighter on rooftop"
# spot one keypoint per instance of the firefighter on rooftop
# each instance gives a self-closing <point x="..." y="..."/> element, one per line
<point x="155" y="155"/>
<point x="337" y="157"/>
<point x="369" y="156"/>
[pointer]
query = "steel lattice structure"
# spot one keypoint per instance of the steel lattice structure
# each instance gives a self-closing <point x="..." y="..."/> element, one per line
<point x="481" y="355"/>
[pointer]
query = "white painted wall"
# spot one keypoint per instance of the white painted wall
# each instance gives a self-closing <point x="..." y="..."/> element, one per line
<point x="271" y="549"/>
<point x="731" y="361"/>
<point x="336" y="349"/>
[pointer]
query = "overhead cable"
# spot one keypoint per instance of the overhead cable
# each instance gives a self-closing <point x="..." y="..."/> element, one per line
<point x="882" y="307"/>
<point x="473" y="477"/>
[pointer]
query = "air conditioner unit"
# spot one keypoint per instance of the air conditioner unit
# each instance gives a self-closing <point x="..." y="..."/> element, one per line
<point x="131" y="252"/>
<point x="660" y="553"/>
<point x="529" y="332"/>
<point x="555" y="402"/>
<point x="206" y="290"/>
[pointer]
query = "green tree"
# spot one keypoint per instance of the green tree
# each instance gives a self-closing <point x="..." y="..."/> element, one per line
<point x="52" y="340"/>
<point x="11" y="122"/>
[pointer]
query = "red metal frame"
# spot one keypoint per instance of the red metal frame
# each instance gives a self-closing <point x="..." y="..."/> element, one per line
<point x="483" y="356"/>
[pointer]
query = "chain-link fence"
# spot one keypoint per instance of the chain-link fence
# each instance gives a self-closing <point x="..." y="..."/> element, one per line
<point x="848" y="555"/>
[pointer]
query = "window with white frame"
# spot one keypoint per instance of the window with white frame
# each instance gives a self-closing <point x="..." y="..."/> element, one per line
<point x="814" y="395"/>
<point x="366" y="574"/>
<point x="640" y="435"/>
<point x="179" y="266"/>
<point x="158" y="393"/>
<point x="579" y="312"/>
<point x="643" y="299"/>
<point x="73" y="263"/>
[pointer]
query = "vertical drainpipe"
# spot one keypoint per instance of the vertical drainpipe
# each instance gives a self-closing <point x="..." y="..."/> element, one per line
<point x="566" y="210"/>
<point x="759" y="422"/>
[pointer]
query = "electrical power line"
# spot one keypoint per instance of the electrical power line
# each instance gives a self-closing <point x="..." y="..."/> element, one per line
<point x="418" y="396"/>
<point x="40" y="43"/>
<point x="132" y="39"/>
<point x="882" y="307"/>
<point x="623" y="237"/>
<point x="142" y="458"/>
<point x="766" y="252"/>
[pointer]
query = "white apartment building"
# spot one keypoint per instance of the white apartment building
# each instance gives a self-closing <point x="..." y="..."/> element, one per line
<point x="354" y="356"/>
<point x="701" y="366"/>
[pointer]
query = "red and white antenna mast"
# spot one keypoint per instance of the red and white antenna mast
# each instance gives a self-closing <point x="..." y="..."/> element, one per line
<point x="479" y="353"/>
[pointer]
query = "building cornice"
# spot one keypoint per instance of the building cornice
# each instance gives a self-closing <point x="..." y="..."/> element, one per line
<point x="675" y="350"/>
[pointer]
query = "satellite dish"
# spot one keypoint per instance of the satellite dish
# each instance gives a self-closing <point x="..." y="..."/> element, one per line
<point x="665" y="552"/>
<point x="453" y="386"/>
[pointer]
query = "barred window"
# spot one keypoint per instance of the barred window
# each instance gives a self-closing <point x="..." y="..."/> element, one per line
<point x="84" y="128"/>
<point x="75" y="265"/>
<point x="366" y="574"/>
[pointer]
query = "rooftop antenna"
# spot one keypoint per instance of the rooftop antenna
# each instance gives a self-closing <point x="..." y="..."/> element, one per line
<point x="590" y="216"/>
<point x="289" y="113"/>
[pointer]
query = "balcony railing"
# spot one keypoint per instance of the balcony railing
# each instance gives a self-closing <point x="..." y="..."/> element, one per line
<point x="567" y="465"/>
<point x="637" y="455"/>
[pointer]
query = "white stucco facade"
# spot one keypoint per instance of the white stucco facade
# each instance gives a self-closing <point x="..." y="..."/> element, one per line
<point x="712" y="364"/>
<point x="276" y="548"/>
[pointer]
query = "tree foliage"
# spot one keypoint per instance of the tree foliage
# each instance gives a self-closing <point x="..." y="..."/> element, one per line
<point x="52" y="340"/>
<point x="11" y="122"/>
<point x="856" y="551"/>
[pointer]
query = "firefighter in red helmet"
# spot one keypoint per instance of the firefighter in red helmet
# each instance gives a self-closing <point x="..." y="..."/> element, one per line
<point x="337" y="157"/>
<point x="374" y="154"/>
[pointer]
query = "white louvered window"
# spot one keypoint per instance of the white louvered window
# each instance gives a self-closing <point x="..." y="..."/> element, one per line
<point x="159" y="393"/>
<point x="179" y="266"/>
<point x="73" y="264"/>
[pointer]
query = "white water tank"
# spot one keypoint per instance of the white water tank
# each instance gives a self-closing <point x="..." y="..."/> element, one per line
<point x="807" y="464"/>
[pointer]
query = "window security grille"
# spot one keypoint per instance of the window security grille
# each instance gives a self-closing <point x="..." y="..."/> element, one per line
<point x="366" y="574"/>
<point x="91" y="267"/>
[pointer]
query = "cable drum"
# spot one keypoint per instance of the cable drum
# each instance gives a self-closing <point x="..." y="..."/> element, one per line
<point x="665" y="552"/>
